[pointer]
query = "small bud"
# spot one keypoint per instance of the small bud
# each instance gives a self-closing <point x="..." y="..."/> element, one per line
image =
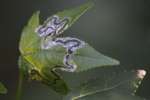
<point x="141" y="73"/>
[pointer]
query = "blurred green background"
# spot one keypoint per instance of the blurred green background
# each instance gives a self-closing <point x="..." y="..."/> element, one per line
<point x="117" y="28"/>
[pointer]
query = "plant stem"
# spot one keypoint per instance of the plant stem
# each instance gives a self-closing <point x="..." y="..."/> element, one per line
<point x="20" y="85"/>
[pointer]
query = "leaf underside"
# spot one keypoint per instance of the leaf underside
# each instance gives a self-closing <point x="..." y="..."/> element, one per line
<point x="107" y="84"/>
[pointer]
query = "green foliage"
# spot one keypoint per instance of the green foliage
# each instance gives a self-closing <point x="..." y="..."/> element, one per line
<point x="40" y="65"/>
<point x="29" y="41"/>
<point x="109" y="84"/>
<point x="75" y="13"/>
<point x="3" y="90"/>
<point x="44" y="61"/>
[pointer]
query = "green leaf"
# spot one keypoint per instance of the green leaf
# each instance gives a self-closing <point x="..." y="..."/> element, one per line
<point x="113" y="95"/>
<point x="88" y="58"/>
<point x="85" y="58"/>
<point x="45" y="76"/>
<point x="30" y="46"/>
<point x="30" y="41"/>
<point x="43" y="62"/>
<point x="107" y="82"/>
<point x="75" y="13"/>
<point x="46" y="60"/>
<point x="3" y="90"/>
